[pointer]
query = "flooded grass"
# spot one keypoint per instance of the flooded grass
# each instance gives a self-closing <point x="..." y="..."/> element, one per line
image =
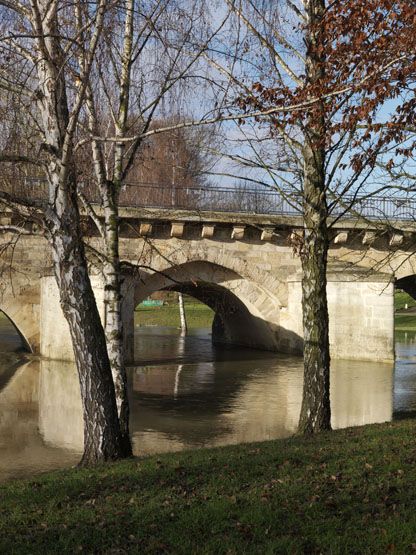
<point x="349" y="491"/>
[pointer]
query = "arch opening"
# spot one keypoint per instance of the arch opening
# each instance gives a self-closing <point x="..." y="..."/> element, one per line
<point x="11" y="338"/>
<point x="247" y="314"/>
<point x="162" y="308"/>
<point x="232" y="323"/>
<point x="408" y="285"/>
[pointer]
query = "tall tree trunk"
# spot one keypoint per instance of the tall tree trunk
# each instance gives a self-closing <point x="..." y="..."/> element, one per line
<point x="316" y="410"/>
<point x="102" y="439"/>
<point x="109" y="230"/>
<point x="111" y="192"/>
<point x="113" y="322"/>
<point x="113" y="316"/>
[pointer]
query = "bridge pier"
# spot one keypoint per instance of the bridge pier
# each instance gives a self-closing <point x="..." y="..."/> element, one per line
<point x="55" y="338"/>
<point x="361" y="318"/>
<point x="361" y="314"/>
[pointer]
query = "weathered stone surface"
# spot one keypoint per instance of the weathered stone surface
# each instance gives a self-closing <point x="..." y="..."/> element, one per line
<point x="238" y="232"/>
<point x="341" y="237"/>
<point x="369" y="237"/>
<point x="267" y="234"/>
<point x="176" y="229"/>
<point x="396" y="239"/>
<point x="208" y="231"/>
<point x="145" y="229"/>
<point x="259" y="280"/>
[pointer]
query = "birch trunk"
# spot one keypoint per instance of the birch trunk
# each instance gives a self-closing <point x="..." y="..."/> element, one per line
<point x="102" y="438"/>
<point x="109" y="230"/>
<point x="316" y="411"/>
<point x="113" y="317"/>
<point x="112" y="293"/>
<point x="182" y="314"/>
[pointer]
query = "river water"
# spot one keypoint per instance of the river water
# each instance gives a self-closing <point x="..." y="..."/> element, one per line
<point x="185" y="394"/>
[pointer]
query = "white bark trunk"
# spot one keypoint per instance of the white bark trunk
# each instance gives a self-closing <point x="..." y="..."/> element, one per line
<point x="102" y="438"/>
<point x="182" y="314"/>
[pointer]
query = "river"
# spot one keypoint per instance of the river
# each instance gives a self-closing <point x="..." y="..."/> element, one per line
<point x="186" y="394"/>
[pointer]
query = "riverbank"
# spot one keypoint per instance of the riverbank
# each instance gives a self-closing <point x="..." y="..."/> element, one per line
<point x="405" y="321"/>
<point x="198" y="315"/>
<point x="350" y="491"/>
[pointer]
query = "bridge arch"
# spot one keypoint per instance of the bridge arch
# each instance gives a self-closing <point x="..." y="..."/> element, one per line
<point x="24" y="343"/>
<point x="245" y="312"/>
<point x="20" y="303"/>
<point x="407" y="284"/>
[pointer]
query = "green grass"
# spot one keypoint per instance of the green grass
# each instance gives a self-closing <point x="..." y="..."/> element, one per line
<point x="405" y="322"/>
<point x="401" y="299"/>
<point x="350" y="491"/>
<point x="198" y="315"/>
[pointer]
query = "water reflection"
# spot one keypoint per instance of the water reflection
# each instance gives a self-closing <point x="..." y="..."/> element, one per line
<point x="214" y="403"/>
<point x="22" y="449"/>
<point x="405" y="373"/>
<point x="224" y="396"/>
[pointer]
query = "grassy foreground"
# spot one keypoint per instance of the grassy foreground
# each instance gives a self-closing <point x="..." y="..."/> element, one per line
<point x="351" y="491"/>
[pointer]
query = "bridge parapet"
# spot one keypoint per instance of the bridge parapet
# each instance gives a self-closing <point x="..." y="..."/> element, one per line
<point x="242" y="197"/>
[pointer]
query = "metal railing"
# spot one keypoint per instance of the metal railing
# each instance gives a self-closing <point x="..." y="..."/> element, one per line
<point x="247" y="200"/>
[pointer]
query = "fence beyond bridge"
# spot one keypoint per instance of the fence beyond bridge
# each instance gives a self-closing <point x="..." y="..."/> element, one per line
<point x="248" y="200"/>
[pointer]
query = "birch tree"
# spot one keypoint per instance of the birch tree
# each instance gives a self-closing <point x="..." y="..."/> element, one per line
<point x="149" y="51"/>
<point x="308" y="67"/>
<point x="38" y="40"/>
<point x="90" y="61"/>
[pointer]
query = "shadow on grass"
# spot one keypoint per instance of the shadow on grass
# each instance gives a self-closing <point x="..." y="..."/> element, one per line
<point x="350" y="491"/>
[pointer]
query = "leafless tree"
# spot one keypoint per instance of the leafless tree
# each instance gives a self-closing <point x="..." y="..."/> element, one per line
<point x="303" y="63"/>
<point x="38" y="52"/>
<point x="84" y="75"/>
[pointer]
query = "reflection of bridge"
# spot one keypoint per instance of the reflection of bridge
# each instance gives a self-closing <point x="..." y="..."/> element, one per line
<point x="41" y="406"/>
<point x="241" y="265"/>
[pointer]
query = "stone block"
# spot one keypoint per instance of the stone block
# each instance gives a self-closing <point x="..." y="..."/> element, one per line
<point x="145" y="229"/>
<point x="267" y="234"/>
<point x="341" y="238"/>
<point x="369" y="237"/>
<point x="5" y="220"/>
<point x="238" y="232"/>
<point x="177" y="229"/>
<point x="208" y="231"/>
<point x="396" y="239"/>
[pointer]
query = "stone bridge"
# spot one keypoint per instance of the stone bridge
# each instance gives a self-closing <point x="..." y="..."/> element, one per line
<point x="241" y="265"/>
